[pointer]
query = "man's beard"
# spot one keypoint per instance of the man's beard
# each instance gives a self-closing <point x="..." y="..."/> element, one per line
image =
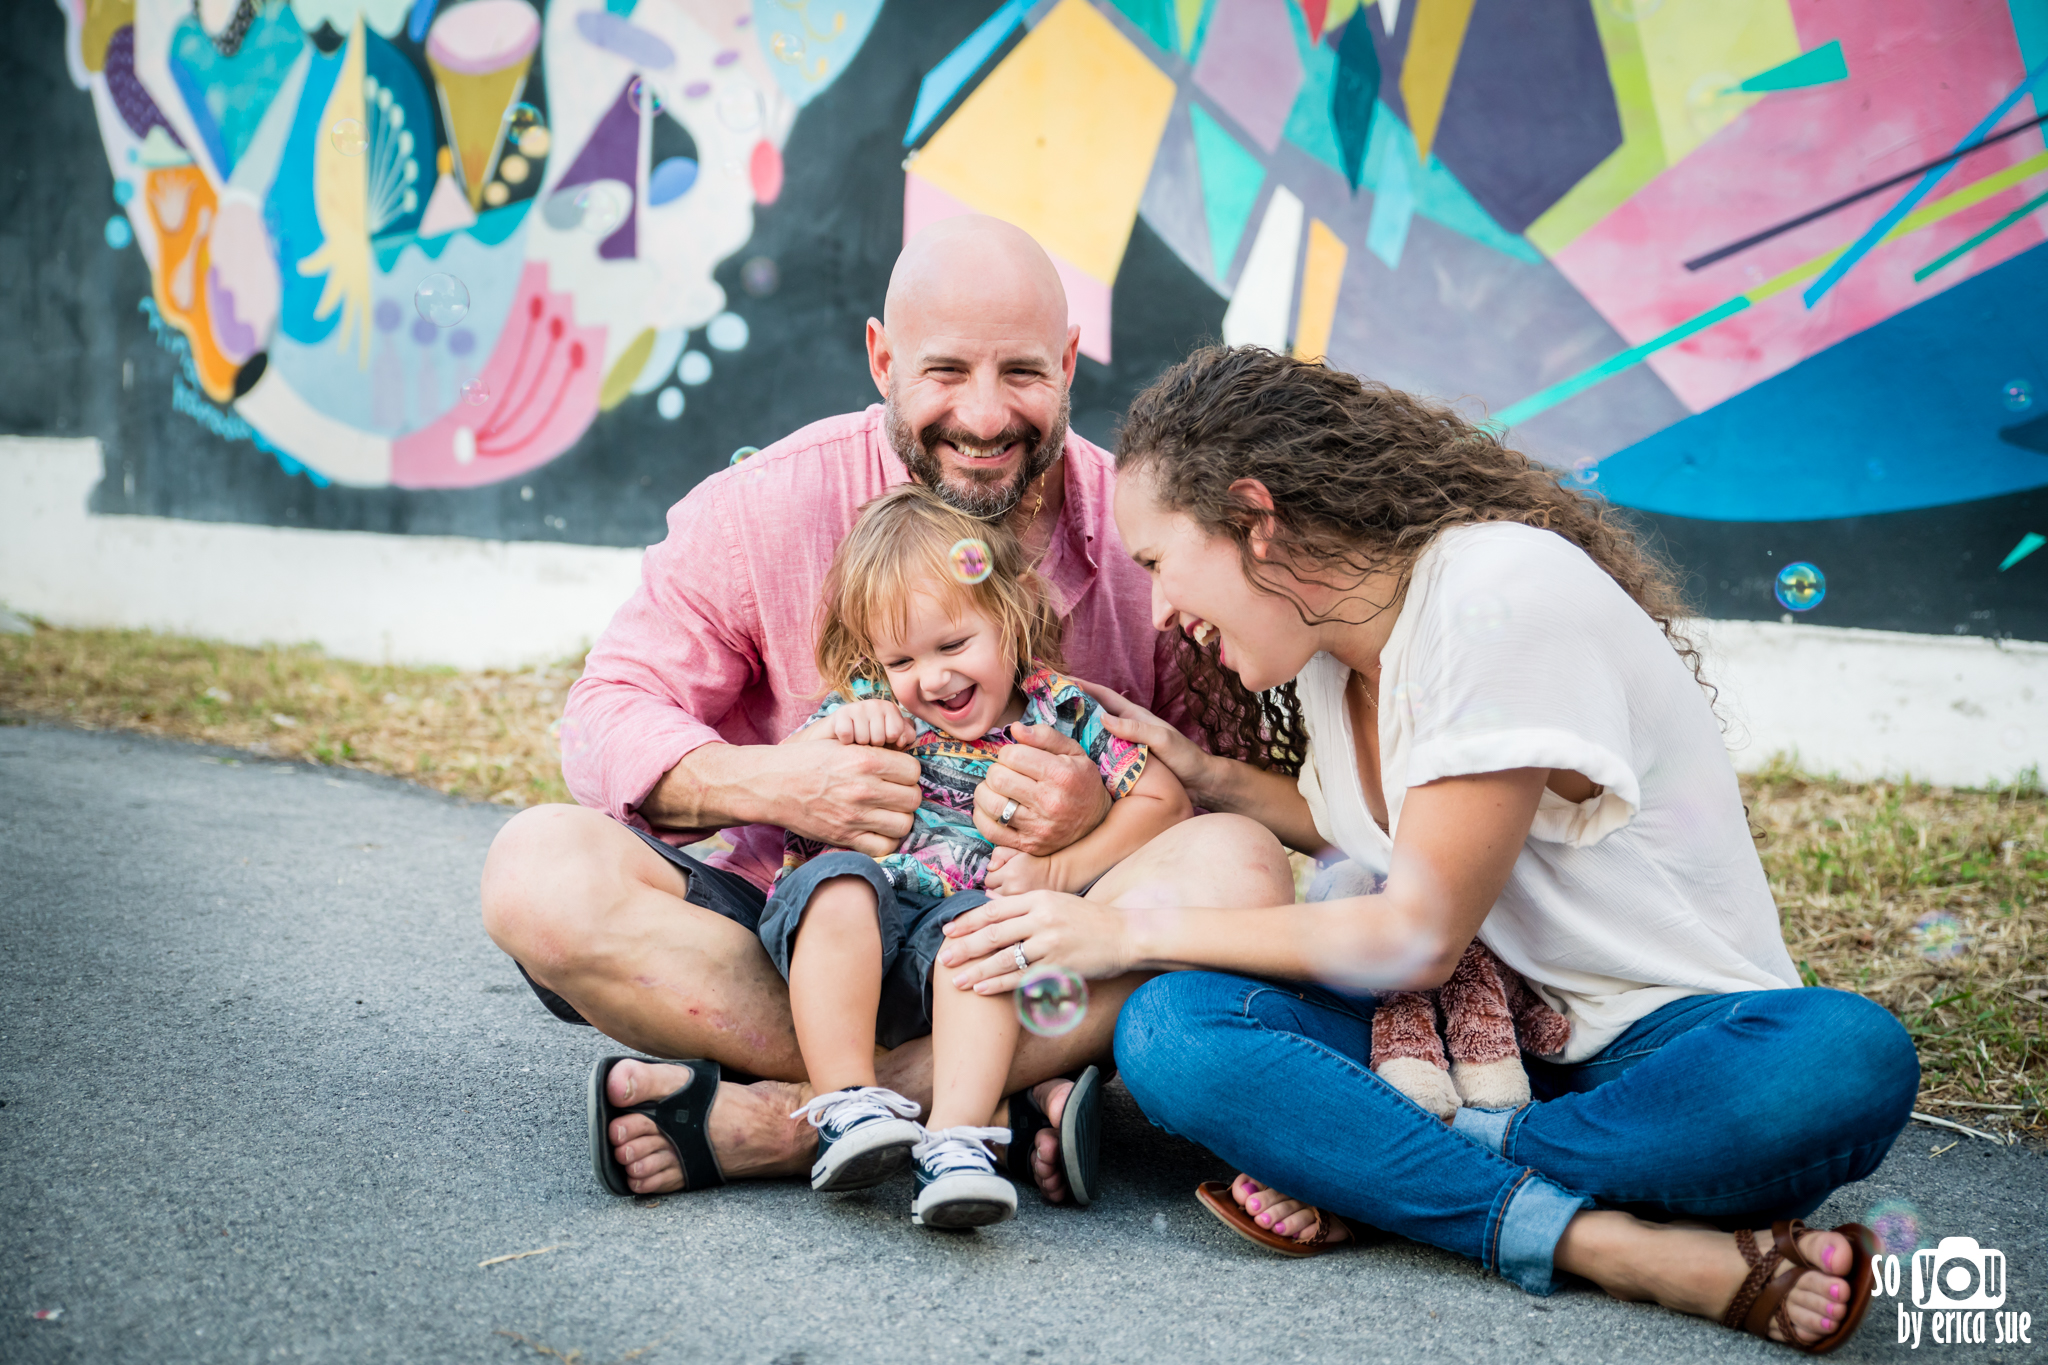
<point x="986" y="495"/>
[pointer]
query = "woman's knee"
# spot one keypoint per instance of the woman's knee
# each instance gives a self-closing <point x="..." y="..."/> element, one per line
<point x="1858" y="1064"/>
<point x="1172" y="1043"/>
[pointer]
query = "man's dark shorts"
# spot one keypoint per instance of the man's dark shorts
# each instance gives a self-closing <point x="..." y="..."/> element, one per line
<point x="912" y="929"/>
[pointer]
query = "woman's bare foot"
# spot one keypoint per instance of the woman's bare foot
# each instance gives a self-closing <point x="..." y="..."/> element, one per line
<point x="750" y="1128"/>
<point x="1697" y="1269"/>
<point x="1276" y="1212"/>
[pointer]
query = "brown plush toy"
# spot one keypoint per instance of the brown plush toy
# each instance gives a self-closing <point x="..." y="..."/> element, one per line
<point x="1490" y="1017"/>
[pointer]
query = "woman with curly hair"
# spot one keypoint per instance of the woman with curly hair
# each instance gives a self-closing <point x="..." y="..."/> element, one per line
<point x="1425" y="655"/>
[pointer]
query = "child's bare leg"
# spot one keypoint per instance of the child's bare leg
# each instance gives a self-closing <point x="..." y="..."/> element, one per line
<point x="835" y="985"/>
<point x="973" y="1040"/>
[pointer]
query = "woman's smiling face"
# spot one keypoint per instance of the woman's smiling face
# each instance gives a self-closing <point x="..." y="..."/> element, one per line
<point x="949" y="667"/>
<point x="1199" y="587"/>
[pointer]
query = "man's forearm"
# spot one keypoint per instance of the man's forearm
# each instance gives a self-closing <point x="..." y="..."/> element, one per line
<point x="714" y="787"/>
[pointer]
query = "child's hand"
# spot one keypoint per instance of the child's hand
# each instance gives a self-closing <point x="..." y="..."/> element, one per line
<point x="873" y="721"/>
<point x="1011" y="873"/>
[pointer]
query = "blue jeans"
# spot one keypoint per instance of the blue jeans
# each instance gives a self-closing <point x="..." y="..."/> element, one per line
<point x="1736" y="1109"/>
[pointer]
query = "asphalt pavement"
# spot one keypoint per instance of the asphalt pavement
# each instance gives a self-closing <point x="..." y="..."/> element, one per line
<point x="271" y="1094"/>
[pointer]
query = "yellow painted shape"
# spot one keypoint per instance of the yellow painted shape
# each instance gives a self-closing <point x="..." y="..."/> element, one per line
<point x="474" y="107"/>
<point x="1435" y="36"/>
<point x="1060" y="138"/>
<point x="1927" y="215"/>
<point x="624" y="371"/>
<point x="1187" y="15"/>
<point x="1632" y="165"/>
<point x="1693" y="52"/>
<point x="341" y="202"/>
<point x="103" y="19"/>
<point x="1338" y="12"/>
<point x="1322" y="275"/>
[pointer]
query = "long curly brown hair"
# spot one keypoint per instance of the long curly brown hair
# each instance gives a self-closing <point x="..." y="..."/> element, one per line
<point x="1363" y="477"/>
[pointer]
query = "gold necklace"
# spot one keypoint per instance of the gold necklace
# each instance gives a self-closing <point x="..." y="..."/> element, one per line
<point x="1037" y="505"/>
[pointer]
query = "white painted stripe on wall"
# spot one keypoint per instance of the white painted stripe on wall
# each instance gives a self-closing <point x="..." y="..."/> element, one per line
<point x="1862" y="703"/>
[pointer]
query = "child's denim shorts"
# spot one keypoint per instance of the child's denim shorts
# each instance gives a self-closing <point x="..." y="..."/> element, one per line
<point x="912" y="934"/>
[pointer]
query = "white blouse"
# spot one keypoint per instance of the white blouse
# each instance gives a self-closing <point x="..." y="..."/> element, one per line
<point x="1515" y="650"/>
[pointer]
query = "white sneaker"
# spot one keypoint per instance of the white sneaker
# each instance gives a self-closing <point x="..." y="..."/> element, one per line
<point x="957" y="1184"/>
<point x="865" y="1135"/>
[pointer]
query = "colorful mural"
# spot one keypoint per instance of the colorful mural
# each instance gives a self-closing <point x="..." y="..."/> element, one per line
<point x="1769" y="273"/>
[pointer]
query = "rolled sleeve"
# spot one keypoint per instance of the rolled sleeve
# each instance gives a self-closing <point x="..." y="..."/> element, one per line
<point x="668" y="668"/>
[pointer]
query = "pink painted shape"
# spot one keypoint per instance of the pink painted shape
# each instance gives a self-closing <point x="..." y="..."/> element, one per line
<point x="1250" y="67"/>
<point x="764" y="167"/>
<point x="543" y="379"/>
<point x="1088" y="299"/>
<point x="1919" y="79"/>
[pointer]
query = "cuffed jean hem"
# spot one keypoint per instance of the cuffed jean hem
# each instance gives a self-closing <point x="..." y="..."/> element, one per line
<point x="1526" y="1235"/>
<point x="1487" y="1127"/>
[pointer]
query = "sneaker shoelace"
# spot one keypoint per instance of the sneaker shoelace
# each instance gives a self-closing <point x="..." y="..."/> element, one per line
<point x="844" y="1108"/>
<point x="956" y="1149"/>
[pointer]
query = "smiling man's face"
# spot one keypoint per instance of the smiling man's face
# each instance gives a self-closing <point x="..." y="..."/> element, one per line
<point x="974" y="360"/>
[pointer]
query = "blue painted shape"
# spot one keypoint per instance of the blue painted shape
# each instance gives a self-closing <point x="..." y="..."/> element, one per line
<point x="671" y="180"/>
<point x="2029" y="543"/>
<point x="819" y="41"/>
<point x="1828" y="437"/>
<point x="422" y="17"/>
<point x="623" y="8"/>
<point x="2030" y="27"/>
<point x="228" y="96"/>
<point x="1822" y="66"/>
<point x="124" y="190"/>
<point x="1231" y="176"/>
<point x="2027" y="435"/>
<point x="957" y="67"/>
<point x="1153" y="18"/>
<point x="118" y="233"/>
<point x="289" y="214"/>
<point x="1875" y="233"/>
<point x="1353" y="96"/>
<point x="1393" y="208"/>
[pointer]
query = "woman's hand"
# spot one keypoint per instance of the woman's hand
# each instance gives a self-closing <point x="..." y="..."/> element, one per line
<point x="1012" y="873"/>
<point x="1082" y="936"/>
<point x="1129" y="721"/>
<point x="873" y="721"/>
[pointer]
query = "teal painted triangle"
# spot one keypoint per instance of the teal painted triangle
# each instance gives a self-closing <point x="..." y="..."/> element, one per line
<point x="1153" y="18"/>
<point x="2030" y="542"/>
<point x="1818" y="67"/>
<point x="1231" y="177"/>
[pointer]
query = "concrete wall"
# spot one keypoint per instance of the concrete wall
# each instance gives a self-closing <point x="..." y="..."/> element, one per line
<point x="1950" y="709"/>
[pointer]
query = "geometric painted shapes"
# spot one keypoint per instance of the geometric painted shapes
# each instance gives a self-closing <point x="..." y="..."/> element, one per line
<point x="1153" y="18"/>
<point x="1264" y="297"/>
<point x="1353" y="96"/>
<point x="671" y="180"/>
<point x="1532" y="111"/>
<point x="1322" y="276"/>
<point x="228" y="96"/>
<point x="1230" y="178"/>
<point x="1088" y="298"/>
<point x="612" y="153"/>
<point x="1187" y="22"/>
<point x="479" y="54"/>
<point x="627" y="41"/>
<point x="1822" y="66"/>
<point x="957" y="67"/>
<point x="1634" y="164"/>
<point x="1393" y="206"/>
<point x="1434" y="40"/>
<point x="1173" y="204"/>
<point x="448" y="209"/>
<point x="1059" y="138"/>
<point x="1690" y="49"/>
<point x="1250" y="66"/>
<point x="2030" y="542"/>
<point x="2027" y="435"/>
<point x="808" y="51"/>
<point x="1971" y="243"/>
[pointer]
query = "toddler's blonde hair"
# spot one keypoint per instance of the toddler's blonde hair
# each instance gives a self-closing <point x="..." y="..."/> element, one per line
<point x="903" y="543"/>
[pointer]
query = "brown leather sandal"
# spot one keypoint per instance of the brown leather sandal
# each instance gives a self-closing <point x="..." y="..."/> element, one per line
<point x="1216" y="1197"/>
<point x="1761" y="1298"/>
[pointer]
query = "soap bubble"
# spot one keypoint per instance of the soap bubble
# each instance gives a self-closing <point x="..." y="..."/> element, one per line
<point x="759" y="276"/>
<point x="523" y="117"/>
<point x="2017" y="395"/>
<point x="1482" y="613"/>
<point x="727" y="331"/>
<point x="1897" y="1225"/>
<point x="1051" y="1000"/>
<point x="348" y="136"/>
<point x="1939" y="935"/>
<point x="669" y="403"/>
<point x="972" y="562"/>
<point x="739" y="108"/>
<point x="643" y="96"/>
<point x="476" y="393"/>
<point x="600" y="208"/>
<point x="1801" y="586"/>
<point x="1585" y="472"/>
<point x="442" y="300"/>
<point x="742" y="454"/>
<point x="788" y="47"/>
<point x="694" y="368"/>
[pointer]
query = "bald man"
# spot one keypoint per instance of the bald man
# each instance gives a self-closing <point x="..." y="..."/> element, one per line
<point x="674" y="730"/>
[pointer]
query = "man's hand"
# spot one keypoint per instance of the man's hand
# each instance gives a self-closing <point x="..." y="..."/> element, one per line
<point x="846" y="795"/>
<point x="1057" y="788"/>
<point x="872" y="721"/>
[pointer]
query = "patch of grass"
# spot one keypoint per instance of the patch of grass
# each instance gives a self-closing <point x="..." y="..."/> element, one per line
<point x="1863" y="873"/>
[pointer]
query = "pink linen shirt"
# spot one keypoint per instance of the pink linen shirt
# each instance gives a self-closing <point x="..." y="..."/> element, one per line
<point x="717" y="643"/>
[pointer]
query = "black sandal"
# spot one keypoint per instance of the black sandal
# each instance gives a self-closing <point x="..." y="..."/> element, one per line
<point x="681" y="1117"/>
<point x="1080" y="1130"/>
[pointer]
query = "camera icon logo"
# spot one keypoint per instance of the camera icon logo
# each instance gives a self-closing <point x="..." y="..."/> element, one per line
<point x="1958" y="1273"/>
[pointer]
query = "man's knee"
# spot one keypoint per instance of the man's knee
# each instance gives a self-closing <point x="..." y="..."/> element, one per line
<point x="547" y="870"/>
<point x="1234" y="861"/>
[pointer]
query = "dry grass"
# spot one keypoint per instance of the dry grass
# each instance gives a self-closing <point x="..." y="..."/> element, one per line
<point x="1862" y="873"/>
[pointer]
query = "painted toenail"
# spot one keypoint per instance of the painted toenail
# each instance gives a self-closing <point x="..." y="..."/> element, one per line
<point x="1834" y="1291"/>
<point x="1827" y="1258"/>
<point x="1253" y="1205"/>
